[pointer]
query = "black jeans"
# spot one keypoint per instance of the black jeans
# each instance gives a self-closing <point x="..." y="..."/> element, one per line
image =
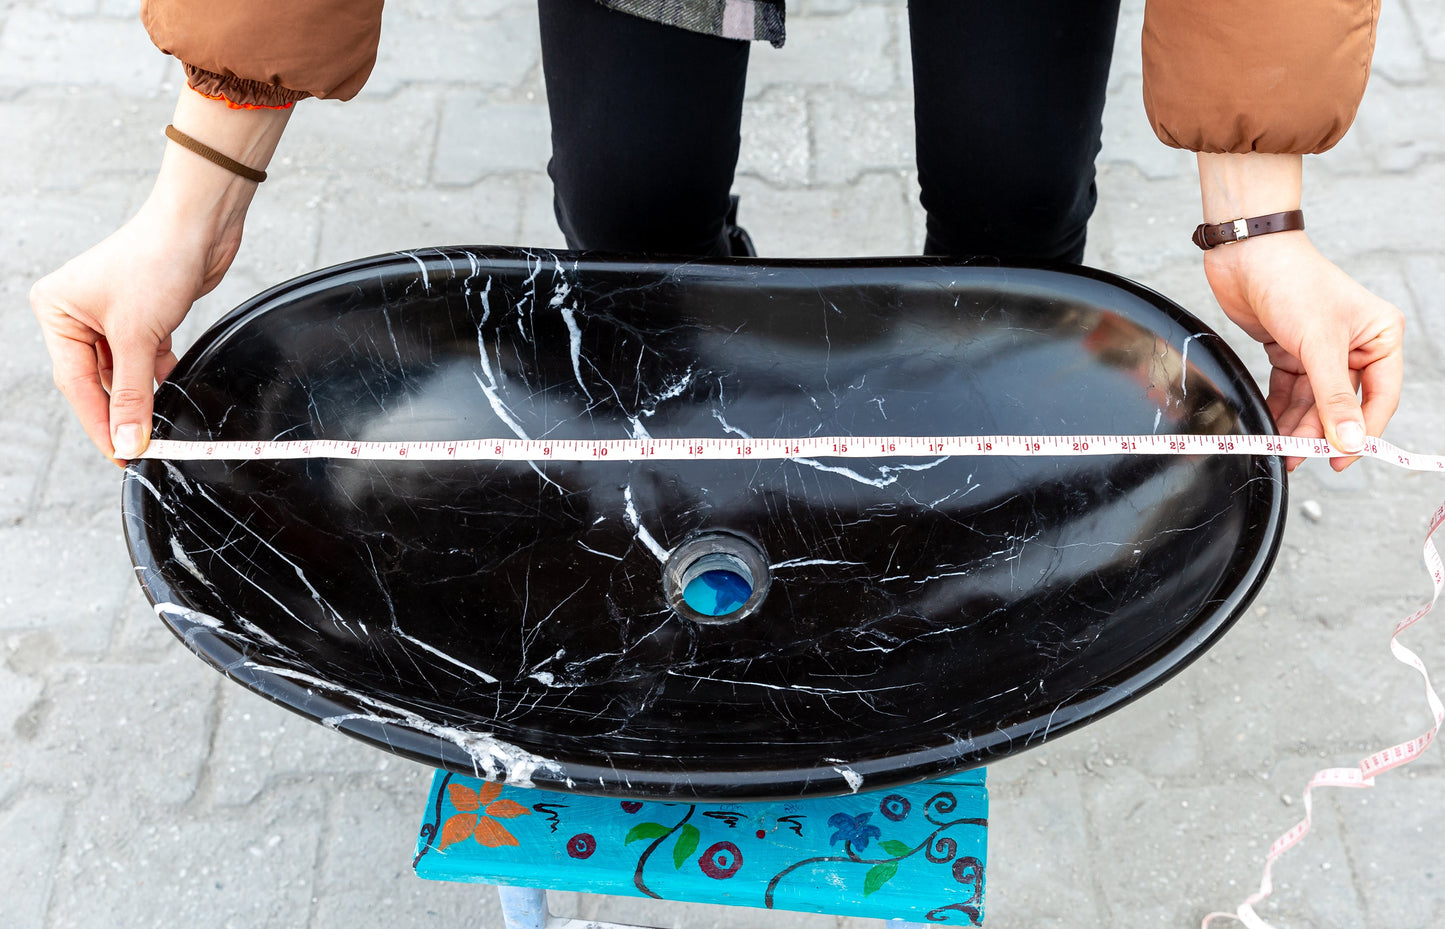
<point x="1008" y="99"/>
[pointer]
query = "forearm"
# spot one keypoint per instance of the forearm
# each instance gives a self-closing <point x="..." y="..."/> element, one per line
<point x="190" y="188"/>
<point x="1239" y="186"/>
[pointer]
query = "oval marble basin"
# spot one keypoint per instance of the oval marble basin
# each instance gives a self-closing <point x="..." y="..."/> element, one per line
<point x="913" y="616"/>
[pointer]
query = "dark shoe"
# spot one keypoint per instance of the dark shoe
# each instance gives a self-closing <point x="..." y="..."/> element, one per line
<point x="740" y="244"/>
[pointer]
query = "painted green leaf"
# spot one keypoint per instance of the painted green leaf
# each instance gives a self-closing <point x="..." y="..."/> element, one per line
<point x="645" y="831"/>
<point x="896" y="848"/>
<point x="686" y="844"/>
<point x="878" y="875"/>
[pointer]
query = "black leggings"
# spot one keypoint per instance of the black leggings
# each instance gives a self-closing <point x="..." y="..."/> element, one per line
<point x="1007" y="103"/>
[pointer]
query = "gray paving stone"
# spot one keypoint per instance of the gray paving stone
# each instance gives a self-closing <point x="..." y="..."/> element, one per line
<point x="1425" y="274"/>
<point x="479" y="138"/>
<point x="39" y="47"/>
<point x="28" y="434"/>
<point x="53" y="138"/>
<point x="140" y="637"/>
<point x="79" y="490"/>
<point x="41" y="231"/>
<point x="1158" y="736"/>
<point x="1130" y="140"/>
<point x="1164" y="852"/>
<point x="258" y="744"/>
<point x="24" y="357"/>
<point x="65" y="579"/>
<point x="775" y="139"/>
<point x="120" y="8"/>
<point x="820" y="7"/>
<point x="868" y="218"/>
<point x="849" y="50"/>
<point x="134" y="865"/>
<point x="366" y="856"/>
<point x="422" y="43"/>
<point x="1400" y="124"/>
<point x="283" y="227"/>
<point x="1429" y="20"/>
<point x="149" y="747"/>
<point x="1394" y="831"/>
<point x="853" y="136"/>
<point x="539" y="222"/>
<point x="1421" y="194"/>
<point x="1041" y="871"/>
<point x="27" y="859"/>
<point x="390" y="139"/>
<point x="674" y="915"/>
<point x="1398" y="55"/>
<point x="486" y="213"/>
<point x="18" y="695"/>
<point x="479" y="9"/>
<point x="1128" y="60"/>
<point x="1147" y="223"/>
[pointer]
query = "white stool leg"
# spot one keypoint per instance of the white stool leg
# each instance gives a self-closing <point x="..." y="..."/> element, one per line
<point x="523" y="907"/>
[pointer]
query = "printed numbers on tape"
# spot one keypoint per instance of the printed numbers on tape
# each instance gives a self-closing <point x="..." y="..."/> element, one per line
<point x="733" y="449"/>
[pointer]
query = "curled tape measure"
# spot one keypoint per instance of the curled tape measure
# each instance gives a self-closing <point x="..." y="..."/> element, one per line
<point x="735" y="449"/>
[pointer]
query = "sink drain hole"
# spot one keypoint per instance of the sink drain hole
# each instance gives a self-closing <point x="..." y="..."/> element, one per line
<point x="717" y="585"/>
<point x="716" y="577"/>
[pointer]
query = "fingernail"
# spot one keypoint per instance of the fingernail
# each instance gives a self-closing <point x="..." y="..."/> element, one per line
<point x="1352" y="437"/>
<point x="127" y="441"/>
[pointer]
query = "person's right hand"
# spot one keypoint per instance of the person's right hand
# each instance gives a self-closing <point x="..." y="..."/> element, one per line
<point x="108" y="314"/>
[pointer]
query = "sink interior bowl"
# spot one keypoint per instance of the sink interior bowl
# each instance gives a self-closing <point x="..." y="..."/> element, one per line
<point x="517" y="619"/>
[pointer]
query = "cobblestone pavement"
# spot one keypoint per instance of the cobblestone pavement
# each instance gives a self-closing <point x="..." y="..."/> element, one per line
<point x="138" y="788"/>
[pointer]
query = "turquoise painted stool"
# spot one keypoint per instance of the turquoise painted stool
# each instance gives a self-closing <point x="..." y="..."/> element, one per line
<point x="906" y="854"/>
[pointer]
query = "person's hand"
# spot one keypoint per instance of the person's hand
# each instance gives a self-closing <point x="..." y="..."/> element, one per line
<point x="1326" y="337"/>
<point x="108" y="314"/>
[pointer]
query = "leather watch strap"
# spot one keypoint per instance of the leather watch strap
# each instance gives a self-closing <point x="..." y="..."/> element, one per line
<point x="1207" y="236"/>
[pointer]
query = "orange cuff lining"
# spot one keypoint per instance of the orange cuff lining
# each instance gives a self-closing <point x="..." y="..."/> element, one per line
<point x="243" y="106"/>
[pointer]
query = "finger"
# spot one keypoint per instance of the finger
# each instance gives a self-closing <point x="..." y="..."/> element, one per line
<point x="1326" y="361"/>
<point x="1281" y="389"/>
<point x="165" y="364"/>
<point x="1308" y="427"/>
<point x="78" y="380"/>
<point x="131" y="393"/>
<point x="1299" y="417"/>
<point x="1340" y="464"/>
<point x="165" y="359"/>
<point x="104" y="363"/>
<point x="1380" y="384"/>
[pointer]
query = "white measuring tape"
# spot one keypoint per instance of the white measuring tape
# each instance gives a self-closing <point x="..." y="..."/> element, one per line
<point x="734" y="449"/>
<point x="1003" y="446"/>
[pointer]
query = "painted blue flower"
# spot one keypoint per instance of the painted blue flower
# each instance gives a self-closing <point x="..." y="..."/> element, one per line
<point x="853" y="829"/>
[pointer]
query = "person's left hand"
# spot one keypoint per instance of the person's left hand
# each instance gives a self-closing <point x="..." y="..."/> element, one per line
<point x="1326" y="336"/>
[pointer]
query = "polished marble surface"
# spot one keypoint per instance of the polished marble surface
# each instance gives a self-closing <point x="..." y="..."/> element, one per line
<point x="510" y="619"/>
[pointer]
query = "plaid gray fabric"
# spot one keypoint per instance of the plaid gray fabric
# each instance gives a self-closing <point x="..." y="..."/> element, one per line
<point x="760" y="20"/>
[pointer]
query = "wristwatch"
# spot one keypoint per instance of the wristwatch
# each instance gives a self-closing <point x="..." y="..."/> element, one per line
<point x="1206" y="236"/>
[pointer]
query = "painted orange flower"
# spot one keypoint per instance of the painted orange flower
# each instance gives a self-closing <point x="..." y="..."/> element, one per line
<point x="480" y="825"/>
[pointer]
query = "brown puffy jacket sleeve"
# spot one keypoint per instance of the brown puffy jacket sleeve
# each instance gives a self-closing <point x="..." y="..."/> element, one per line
<point x="269" y="52"/>
<point x="1275" y="76"/>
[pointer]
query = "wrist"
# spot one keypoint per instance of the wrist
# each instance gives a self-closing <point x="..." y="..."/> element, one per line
<point x="1235" y="186"/>
<point x="191" y="190"/>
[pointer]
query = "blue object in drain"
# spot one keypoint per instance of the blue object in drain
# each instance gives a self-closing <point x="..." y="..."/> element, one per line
<point x="717" y="592"/>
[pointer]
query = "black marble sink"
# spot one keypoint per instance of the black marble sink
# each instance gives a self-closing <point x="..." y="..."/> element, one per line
<point x="901" y="618"/>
